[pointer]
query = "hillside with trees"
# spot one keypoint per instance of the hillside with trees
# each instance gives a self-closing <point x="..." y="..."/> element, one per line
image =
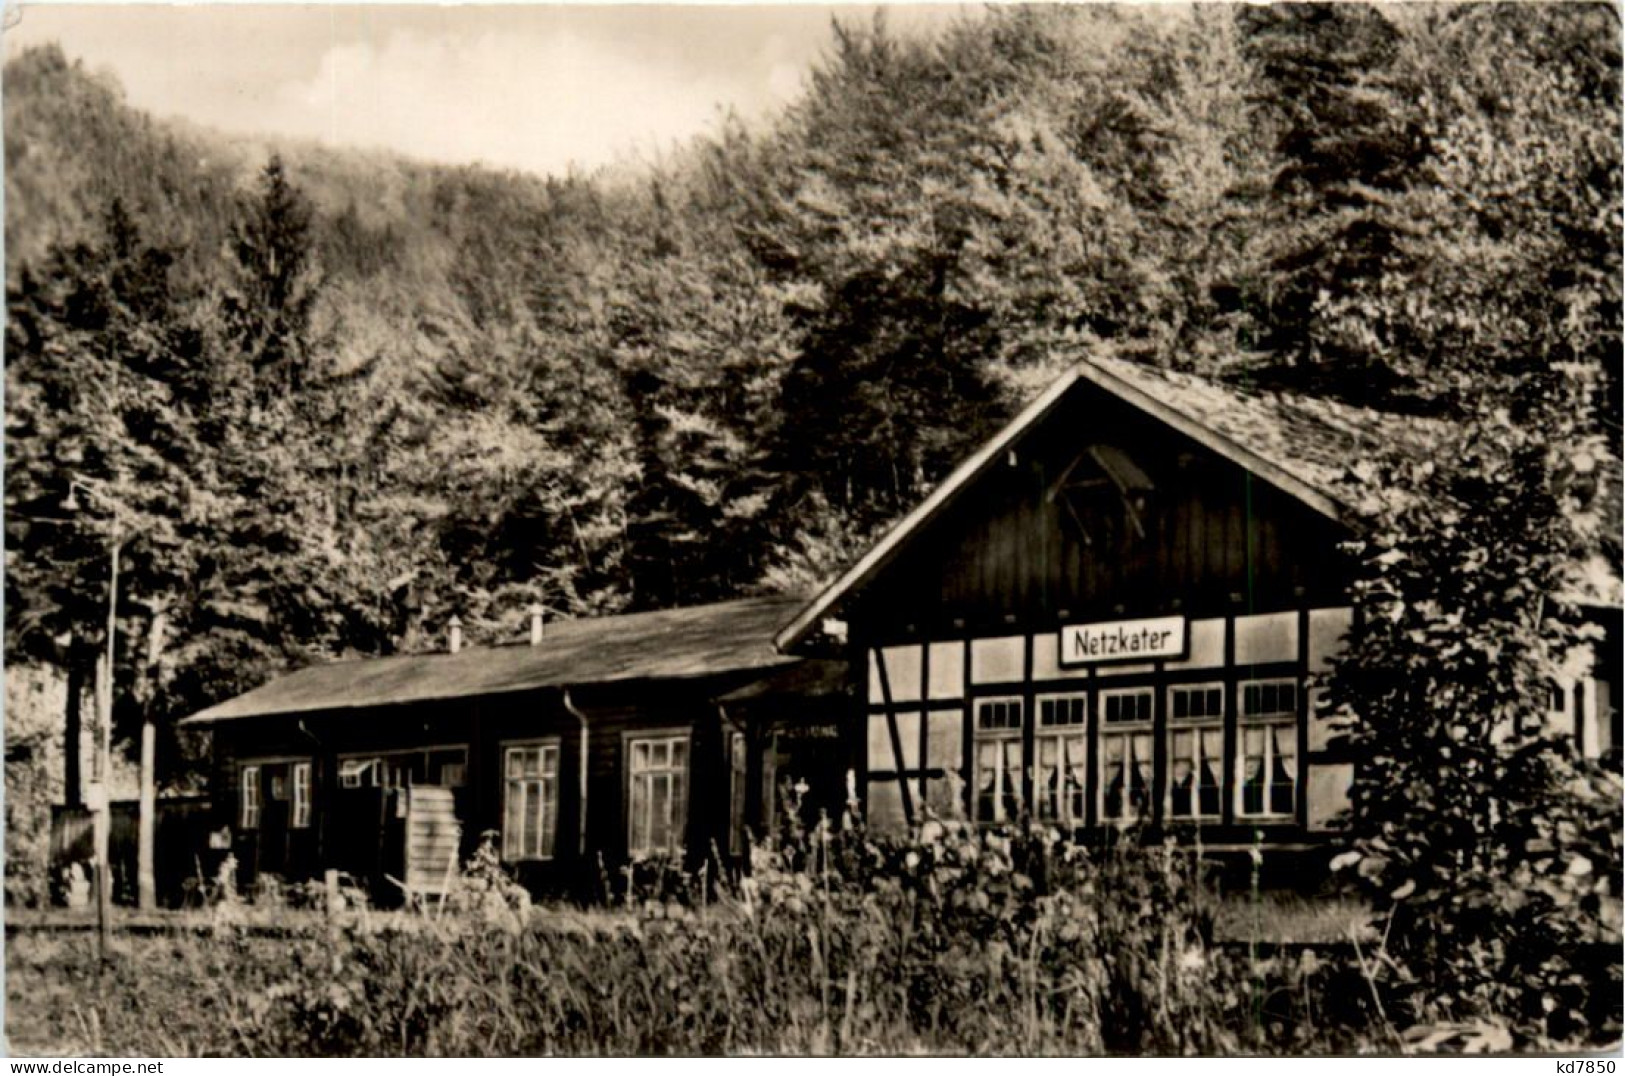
<point x="339" y="397"/>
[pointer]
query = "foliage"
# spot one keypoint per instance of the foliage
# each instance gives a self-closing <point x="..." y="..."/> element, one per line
<point x="33" y="775"/>
<point x="957" y="942"/>
<point x="484" y="889"/>
<point x="1446" y="203"/>
<point x="1491" y="851"/>
<point x="709" y="375"/>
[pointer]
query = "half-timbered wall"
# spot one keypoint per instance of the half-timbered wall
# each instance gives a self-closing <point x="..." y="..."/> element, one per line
<point x="992" y="728"/>
<point x="1102" y="514"/>
<point x="939" y="713"/>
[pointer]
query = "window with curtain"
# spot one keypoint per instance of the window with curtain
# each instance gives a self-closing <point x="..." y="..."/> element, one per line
<point x="1195" y="751"/>
<point x="1127" y="753"/>
<point x="1267" y="748"/>
<point x="1061" y="742"/>
<point x="998" y="759"/>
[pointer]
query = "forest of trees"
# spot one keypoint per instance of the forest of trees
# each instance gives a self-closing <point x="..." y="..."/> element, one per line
<point x="341" y="397"/>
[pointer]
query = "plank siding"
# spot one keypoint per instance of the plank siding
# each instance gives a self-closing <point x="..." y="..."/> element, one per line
<point x="1003" y="554"/>
<point x="483" y="726"/>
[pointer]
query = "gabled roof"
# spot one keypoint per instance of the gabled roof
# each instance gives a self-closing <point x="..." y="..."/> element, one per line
<point x="1302" y="445"/>
<point x="673" y="644"/>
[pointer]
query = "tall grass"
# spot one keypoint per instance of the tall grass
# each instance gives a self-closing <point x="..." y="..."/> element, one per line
<point x="957" y="942"/>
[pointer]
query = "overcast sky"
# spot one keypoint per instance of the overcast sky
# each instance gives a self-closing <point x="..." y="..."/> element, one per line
<point x="531" y="87"/>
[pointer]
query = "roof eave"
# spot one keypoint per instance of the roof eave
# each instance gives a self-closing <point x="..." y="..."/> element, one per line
<point x="213" y="716"/>
<point x="884" y="551"/>
<point x="1216" y="442"/>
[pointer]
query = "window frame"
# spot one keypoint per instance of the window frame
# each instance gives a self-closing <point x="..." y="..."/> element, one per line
<point x="353" y="769"/>
<point x="679" y="806"/>
<point x="300" y="787"/>
<point x="547" y="799"/>
<point x="1143" y="727"/>
<point x="1174" y="726"/>
<point x="249" y="807"/>
<point x="389" y="761"/>
<point x="1062" y="735"/>
<point x="1004" y="736"/>
<point x="1270" y="723"/>
<point x="1560" y="720"/>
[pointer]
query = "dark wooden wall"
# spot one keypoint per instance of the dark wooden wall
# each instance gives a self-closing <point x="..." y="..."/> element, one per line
<point x="1217" y="539"/>
<point x="582" y="859"/>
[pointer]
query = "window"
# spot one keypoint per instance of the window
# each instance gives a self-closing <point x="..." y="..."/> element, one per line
<point x="1062" y="745"/>
<point x="998" y="760"/>
<point x="1559" y="716"/>
<point x="447" y="767"/>
<point x="300" y="818"/>
<point x="1195" y="750"/>
<point x="358" y="772"/>
<point x="248" y="790"/>
<point x="530" y="801"/>
<point x="1126" y="753"/>
<point x="1267" y="747"/>
<point x="444" y="766"/>
<point x="279" y="783"/>
<point x="397" y="772"/>
<point x="658" y="795"/>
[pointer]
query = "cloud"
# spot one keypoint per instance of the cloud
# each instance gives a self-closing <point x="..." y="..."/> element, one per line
<point x="528" y="86"/>
<point x="539" y="102"/>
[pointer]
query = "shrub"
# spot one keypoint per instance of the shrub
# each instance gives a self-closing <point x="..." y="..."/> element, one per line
<point x="1490" y="851"/>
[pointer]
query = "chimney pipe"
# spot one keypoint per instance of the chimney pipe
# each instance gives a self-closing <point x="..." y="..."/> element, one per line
<point x="538" y="626"/>
<point x="456" y="641"/>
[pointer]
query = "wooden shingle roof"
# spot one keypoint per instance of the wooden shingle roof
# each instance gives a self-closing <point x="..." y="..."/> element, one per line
<point x="672" y="644"/>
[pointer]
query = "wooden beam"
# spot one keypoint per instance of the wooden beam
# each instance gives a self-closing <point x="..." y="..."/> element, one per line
<point x="896" y="738"/>
<point x="1083" y="531"/>
<point x="1061" y="483"/>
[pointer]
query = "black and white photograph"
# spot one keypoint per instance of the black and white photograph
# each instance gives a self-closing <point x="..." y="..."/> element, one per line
<point x="739" y="530"/>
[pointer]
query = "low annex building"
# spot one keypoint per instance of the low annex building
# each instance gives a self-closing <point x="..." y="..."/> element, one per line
<point x="1111" y="614"/>
<point x="604" y="740"/>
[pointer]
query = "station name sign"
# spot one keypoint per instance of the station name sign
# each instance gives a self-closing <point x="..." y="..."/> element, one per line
<point x="1156" y="639"/>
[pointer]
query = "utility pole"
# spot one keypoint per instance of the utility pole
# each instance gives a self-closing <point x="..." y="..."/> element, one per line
<point x="146" y="881"/>
<point x="104" y="766"/>
<point x="101" y="800"/>
<point x="118" y="533"/>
